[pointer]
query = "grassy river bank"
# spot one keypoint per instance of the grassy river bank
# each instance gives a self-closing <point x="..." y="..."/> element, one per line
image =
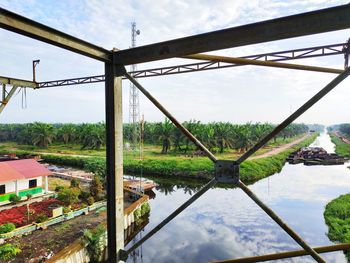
<point x="337" y="216"/>
<point x="176" y="166"/>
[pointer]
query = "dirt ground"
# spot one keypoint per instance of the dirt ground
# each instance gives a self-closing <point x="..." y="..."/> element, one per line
<point x="44" y="242"/>
<point x="279" y="149"/>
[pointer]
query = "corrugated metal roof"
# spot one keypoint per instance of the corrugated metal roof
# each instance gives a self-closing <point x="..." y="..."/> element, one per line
<point x="21" y="169"/>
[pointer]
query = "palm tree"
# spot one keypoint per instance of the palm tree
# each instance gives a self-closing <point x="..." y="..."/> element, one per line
<point x="92" y="136"/>
<point x="42" y="134"/>
<point x="164" y="134"/>
<point x="67" y="133"/>
<point x="223" y="135"/>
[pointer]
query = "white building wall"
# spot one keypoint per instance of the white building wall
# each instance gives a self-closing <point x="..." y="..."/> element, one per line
<point x="39" y="181"/>
<point x="9" y="187"/>
<point x="23" y="184"/>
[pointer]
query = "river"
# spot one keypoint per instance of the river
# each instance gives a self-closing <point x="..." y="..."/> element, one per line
<point x="226" y="223"/>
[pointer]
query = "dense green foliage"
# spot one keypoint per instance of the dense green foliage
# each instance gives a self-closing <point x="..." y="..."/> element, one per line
<point x="8" y="251"/>
<point x="337" y="216"/>
<point x="217" y="136"/>
<point x="6" y="228"/>
<point x="69" y="196"/>
<point x="14" y="199"/>
<point x="341" y="147"/>
<point x="95" y="243"/>
<point x="145" y="209"/>
<point x="41" y="218"/>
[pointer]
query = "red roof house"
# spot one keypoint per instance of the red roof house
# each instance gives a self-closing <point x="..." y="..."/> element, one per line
<point x="22" y="177"/>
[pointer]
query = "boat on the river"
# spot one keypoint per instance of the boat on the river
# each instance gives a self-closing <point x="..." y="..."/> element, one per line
<point x="315" y="156"/>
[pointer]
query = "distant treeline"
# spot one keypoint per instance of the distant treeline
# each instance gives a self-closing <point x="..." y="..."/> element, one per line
<point x="343" y="128"/>
<point x="216" y="135"/>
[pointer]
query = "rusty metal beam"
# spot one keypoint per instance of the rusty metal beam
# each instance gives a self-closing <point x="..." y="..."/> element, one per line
<point x="24" y="26"/>
<point x="320" y="21"/>
<point x="6" y="96"/>
<point x="289" y="254"/>
<point x="244" y="61"/>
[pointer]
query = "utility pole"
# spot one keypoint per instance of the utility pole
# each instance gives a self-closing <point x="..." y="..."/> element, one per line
<point x="134" y="104"/>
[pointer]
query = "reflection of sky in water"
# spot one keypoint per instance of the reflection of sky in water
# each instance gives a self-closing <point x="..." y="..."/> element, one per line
<point x="224" y="224"/>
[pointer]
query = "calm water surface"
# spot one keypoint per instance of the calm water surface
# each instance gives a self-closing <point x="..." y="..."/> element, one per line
<point x="225" y="223"/>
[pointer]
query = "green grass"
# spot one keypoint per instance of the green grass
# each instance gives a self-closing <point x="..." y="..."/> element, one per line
<point x="337" y="216"/>
<point x="341" y="147"/>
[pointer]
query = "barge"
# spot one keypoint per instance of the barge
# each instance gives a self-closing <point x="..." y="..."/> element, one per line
<point x="315" y="156"/>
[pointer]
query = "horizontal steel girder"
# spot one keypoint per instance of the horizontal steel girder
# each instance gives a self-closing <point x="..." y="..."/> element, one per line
<point x="24" y="26"/>
<point x="320" y="21"/>
<point x="244" y="61"/>
<point x="289" y="254"/>
<point x="318" y="51"/>
<point x="17" y="82"/>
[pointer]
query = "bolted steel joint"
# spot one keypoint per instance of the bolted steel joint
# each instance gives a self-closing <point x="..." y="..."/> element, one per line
<point x="123" y="255"/>
<point x="227" y="171"/>
<point x="120" y="70"/>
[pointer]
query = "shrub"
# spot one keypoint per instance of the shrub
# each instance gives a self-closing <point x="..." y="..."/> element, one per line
<point x="145" y="209"/>
<point x="29" y="196"/>
<point x="69" y="196"/>
<point x="84" y="196"/>
<point x="8" y="251"/>
<point x="90" y="200"/>
<point x="95" y="243"/>
<point x="96" y="188"/>
<point x="15" y="199"/>
<point x="75" y="183"/>
<point x="41" y="218"/>
<point x="6" y="228"/>
<point x="137" y="214"/>
<point x="59" y="188"/>
<point x="66" y="209"/>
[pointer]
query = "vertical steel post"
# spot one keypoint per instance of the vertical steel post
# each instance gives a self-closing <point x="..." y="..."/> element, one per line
<point x="114" y="144"/>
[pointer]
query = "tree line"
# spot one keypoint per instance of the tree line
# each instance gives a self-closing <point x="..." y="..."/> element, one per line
<point x="217" y="136"/>
<point x="343" y="128"/>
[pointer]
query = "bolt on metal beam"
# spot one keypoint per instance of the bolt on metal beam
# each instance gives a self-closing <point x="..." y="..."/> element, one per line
<point x="281" y="223"/>
<point x="296" y="114"/>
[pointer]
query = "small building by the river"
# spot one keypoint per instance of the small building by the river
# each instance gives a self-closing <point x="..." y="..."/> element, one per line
<point x="22" y="177"/>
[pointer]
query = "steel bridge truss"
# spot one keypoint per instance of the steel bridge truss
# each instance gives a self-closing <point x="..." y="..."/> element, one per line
<point x="325" y="20"/>
<point x="311" y="52"/>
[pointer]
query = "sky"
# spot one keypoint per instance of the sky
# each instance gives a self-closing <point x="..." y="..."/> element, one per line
<point x="237" y="95"/>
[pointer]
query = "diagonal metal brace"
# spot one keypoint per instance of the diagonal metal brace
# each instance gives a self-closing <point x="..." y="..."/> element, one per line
<point x="227" y="171"/>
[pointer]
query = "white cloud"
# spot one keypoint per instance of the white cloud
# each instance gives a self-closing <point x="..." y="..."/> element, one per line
<point x="238" y="94"/>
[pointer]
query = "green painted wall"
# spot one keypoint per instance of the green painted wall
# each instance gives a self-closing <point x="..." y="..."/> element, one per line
<point x="23" y="193"/>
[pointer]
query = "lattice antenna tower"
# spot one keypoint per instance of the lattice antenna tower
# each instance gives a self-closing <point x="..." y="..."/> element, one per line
<point x="134" y="103"/>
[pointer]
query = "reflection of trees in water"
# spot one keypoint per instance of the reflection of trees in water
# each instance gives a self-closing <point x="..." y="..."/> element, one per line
<point x="168" y="187"/>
